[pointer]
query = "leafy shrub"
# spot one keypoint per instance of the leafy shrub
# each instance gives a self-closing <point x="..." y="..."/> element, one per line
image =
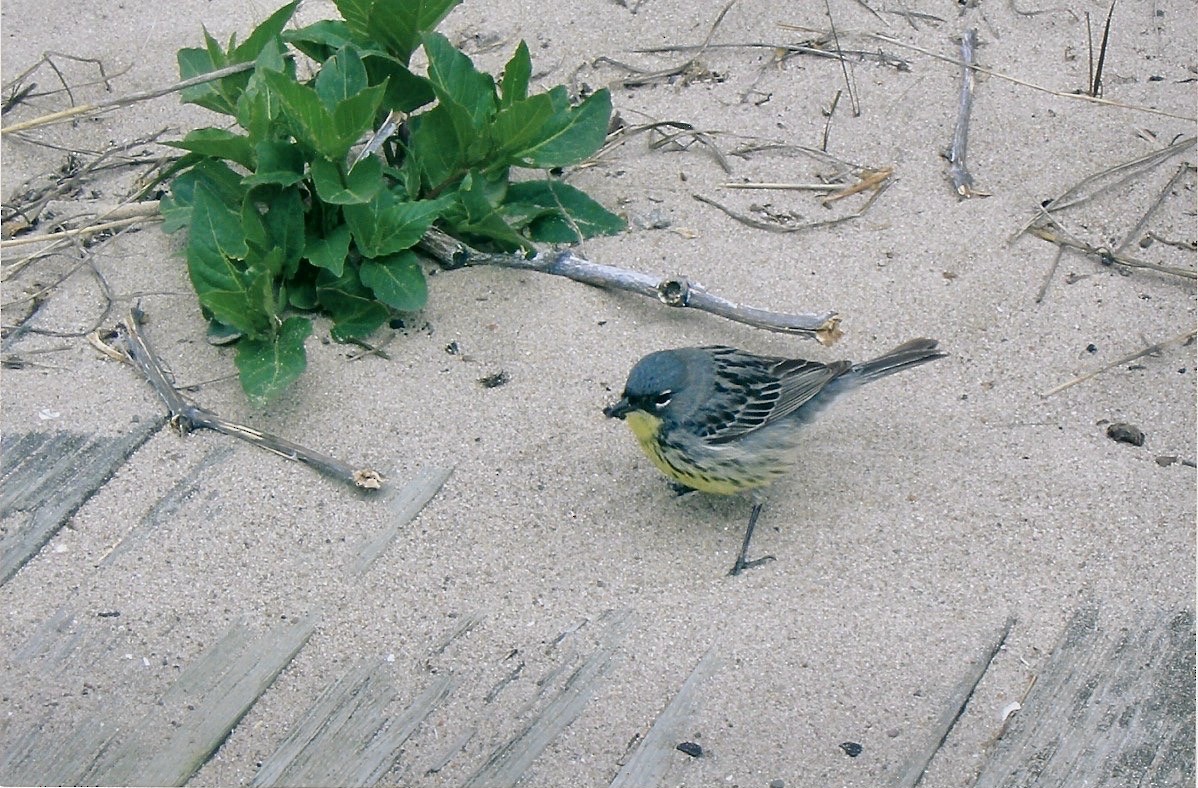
<point x="284" y="219"/>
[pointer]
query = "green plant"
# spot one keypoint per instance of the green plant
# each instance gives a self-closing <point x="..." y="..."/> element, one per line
<point x="283" y="220"/>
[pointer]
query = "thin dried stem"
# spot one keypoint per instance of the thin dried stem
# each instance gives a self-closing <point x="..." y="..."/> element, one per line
<point x="132" y="344"/>
<point x="122" y="101"/>
<point x="1148" y="351"/>
<point x="1032" y="85"/>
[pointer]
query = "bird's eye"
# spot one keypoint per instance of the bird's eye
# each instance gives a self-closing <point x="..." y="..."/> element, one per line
<point x="663" y="399"/>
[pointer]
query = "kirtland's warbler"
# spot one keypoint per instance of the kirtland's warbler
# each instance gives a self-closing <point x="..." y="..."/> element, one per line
<point x="720" y="420"/>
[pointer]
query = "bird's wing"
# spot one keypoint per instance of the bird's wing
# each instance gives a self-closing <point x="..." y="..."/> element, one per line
<point x="752" y="391"/>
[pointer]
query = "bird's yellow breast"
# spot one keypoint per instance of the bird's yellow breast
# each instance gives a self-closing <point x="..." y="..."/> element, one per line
<point x="681" y="468"/>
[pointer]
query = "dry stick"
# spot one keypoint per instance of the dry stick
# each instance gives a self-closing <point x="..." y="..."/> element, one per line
<point x="1032" y="85"/>
<point x="844" y="66"/>
<point x="1052" y="271"/>
<point x="675" y="291"/>
<point x="79" y="232"/>
<point x="132" y="98"/>
<point x="1096" y="74"/>
<point x="958" y="173"/>
<point x="649" y="77"/>
<point x="794" y="49"/>
<point x="794" y="187"/>
<point x="186" y="417"/>
<point x="1092" y="185"/>
<point x="774" y="228"/>
<point x="1148" y="351"/>
<point x="1130" y="238"/>
<point x="828" y="125"/>
<point x="1105" y="255"/>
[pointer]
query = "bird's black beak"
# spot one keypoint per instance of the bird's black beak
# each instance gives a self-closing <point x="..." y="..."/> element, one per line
<point x="619" y="410"/>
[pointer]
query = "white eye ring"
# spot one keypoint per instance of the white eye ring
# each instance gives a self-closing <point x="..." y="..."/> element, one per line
<point x="663" y="399"/>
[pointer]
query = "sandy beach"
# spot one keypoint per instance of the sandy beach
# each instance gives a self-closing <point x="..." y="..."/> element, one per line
<point x="555" y="584"/>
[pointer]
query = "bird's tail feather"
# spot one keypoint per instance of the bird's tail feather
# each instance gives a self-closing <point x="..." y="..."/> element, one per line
<point x="906" y="355"/>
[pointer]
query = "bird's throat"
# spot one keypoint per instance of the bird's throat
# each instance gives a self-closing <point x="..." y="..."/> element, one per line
<point x="644" y="426"/>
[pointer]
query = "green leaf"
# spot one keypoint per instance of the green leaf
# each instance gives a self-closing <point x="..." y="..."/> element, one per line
<point x="513" y="86"/>
<point x="236" y="294"/>
<point x="479" y="216"/>
<point x="279" y="163"/>
<point x="216" y="225"/>
<point x="282" y="214"/>
<point x="269" y="365"/>
<point x="385" y="226"/>
<point x="573" y="134"/>
<point x="455" y="79"/>
<point x="301" y="294"/>
<point x="405" y="91"/>
<point x="436" y="147"/>
<point x="359" y="186"/>
<point x="340" y="77"/>
<point x="216" y="175"/>
<point x="311" y="123"/>
<point x="328" y="251"/>
<point x="263" y="34"/>
<point x="192" y="63"/>
<point x="352" y="306"/>
<point x="321" y="39"/>
<point x="220" y="144"/>
<point x="397" y="24"/>
<point x="352" y="118"/>
<point x="396" y="280"/>
<point x="555" y="209"/>
<point x="522" y="126"/>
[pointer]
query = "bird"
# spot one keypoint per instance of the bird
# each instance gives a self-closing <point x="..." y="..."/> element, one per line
<point x="720" y="420"/>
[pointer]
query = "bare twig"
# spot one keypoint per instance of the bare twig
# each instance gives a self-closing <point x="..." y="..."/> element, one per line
<point x="80" y="232"/>
<point x="844" y="66"/>
<point x="185" y="417"/>
<point x="1032" y="85"/>
<point x="1132" y="234"/>
<point x="1096" y="70"/>
<point x="794" y="187"/>
<point x="689" y="66"/>
<point x="1092" y="185"/>
<point x="672" y="134"/>
<point x="122" y="101"/>
<point x="831" y="113"/>
<point x="1056" y="261"/>
<point x="958" y="172"/>
<point x="675" y="291"/>
<point x="1105" y="255"/>
<point x="798" y="228"/>
<point x="814" y="48"/>
<point x="1148" y="351"/>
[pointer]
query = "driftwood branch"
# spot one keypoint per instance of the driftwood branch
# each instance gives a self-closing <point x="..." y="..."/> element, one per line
<point x="958" y="173"/>
<point x="676" y="291"/>
<point x="133" y="347"/>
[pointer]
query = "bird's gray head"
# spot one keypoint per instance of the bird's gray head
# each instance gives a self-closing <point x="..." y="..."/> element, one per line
<point x="652" y="385"/>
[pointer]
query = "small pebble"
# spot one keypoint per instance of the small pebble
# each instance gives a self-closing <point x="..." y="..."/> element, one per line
<point x="690" y="748"/>
<point x="851" y="748"/>
<point x="1125" y="433"/>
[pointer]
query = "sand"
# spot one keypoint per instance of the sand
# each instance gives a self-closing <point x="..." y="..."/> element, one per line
<point x="928" y="509"/>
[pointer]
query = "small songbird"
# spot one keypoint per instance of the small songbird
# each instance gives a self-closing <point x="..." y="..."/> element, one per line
<point x="720" y="420"/>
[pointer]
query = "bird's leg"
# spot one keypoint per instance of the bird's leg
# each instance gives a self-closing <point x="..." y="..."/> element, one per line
<point x="741" y="562"/>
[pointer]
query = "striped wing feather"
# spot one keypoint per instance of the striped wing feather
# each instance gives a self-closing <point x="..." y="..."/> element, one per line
<point x="753" y="391"/>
